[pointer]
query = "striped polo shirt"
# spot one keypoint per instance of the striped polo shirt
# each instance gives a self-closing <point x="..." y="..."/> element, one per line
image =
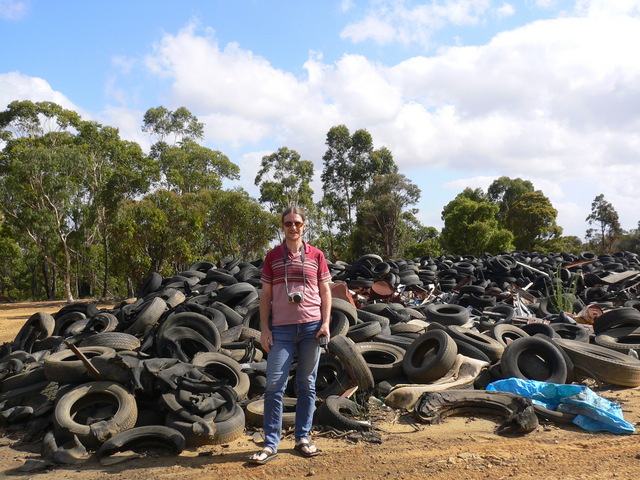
<point x="316" y="270"/>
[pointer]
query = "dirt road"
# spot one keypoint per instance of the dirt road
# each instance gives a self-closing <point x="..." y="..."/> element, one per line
<point x="459" y="448"/>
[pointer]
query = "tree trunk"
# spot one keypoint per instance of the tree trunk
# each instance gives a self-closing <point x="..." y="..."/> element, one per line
<point x="49" y="290"/>
<point x="105" y="244"/>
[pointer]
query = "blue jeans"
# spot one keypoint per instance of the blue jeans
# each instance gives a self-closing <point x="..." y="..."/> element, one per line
<point x="291" y="341"/>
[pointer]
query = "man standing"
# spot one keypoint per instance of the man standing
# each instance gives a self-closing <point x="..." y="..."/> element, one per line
<point x="295" y="311"/>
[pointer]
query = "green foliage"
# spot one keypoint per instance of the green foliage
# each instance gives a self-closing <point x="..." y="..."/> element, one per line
<point x="607" y="225"/>
<point x="284" y="179"/>
<point x="163" y="123"/>
<point x="235" y="225"/>
<point x="630" y="241"/>
<point x="562" y="297"/>
<point x="569" y="244"/>
<point x="350" y="165"/>
<point x="42" y="179"/>
<point x="471" y="227"/>
<point x="381" y="227"/>
<point x="423" y="241"/>
<point x="477" y="195"/>
<point x="67" y="185"/>
<point x="11" y="266"/>
<point x="186" y="166"/>
<point x="155" y="234"/>
<point x="190" y="167"/>
<point x="504" y="192"/>
<point x="166" y="232"/>
<point x="532" y="219"/>
<point x="118" y="170"/>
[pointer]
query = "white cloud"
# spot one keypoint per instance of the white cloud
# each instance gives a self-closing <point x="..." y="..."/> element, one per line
<point x="346" y="5"/>
<point x="16" y="86"/>
<point x="400" y="21"/>
<point x="223" y="80"/>
<point x="506" y="10"/>
<point x="370" y="28"/>
<point x="599" y="8"/>
<point x="123" y="63"/>
<point x="12" y="9"/>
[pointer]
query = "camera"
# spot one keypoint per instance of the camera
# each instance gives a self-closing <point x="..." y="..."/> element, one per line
<point x="322" y="340"/>
<point x="295" y="297"/>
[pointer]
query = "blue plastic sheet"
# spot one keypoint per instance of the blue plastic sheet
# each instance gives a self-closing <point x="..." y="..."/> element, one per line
<point x="592" y="412"/>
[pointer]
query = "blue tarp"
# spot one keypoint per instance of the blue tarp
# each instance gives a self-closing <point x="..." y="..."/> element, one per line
<point x="592" y="411"/>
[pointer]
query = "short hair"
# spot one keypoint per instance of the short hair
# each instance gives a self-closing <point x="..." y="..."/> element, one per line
<point x="293" y="209"/>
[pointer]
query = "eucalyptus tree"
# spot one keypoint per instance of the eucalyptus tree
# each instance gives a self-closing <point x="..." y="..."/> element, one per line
<point x="504" y="191"/>
<point x="156" y="234"/>
<point x="11" y="265"/>
<point x="185" y="165"/>
<point x="42" y="179"/>
<point x="607" y="223"/>
<point x="119" y="170"/>
<point x="284" y="179"/>
<point x="532" y="220"/>
<point x="381" y="227"/>
<point x="234" y="224"/>
<point x="422" y="240"/>
<point x="471" y="227"/>
<point x="350" y="165"/>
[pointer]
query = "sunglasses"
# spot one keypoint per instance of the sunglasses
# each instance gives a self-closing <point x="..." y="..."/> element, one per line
<point x="291" y="224"/>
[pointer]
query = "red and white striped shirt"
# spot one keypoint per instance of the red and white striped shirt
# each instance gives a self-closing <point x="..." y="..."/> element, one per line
<point x="316" y="270"/>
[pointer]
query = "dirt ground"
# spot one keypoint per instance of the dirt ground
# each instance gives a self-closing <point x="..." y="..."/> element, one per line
<point x="464" y="447"/>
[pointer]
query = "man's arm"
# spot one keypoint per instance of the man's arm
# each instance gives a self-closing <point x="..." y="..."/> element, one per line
<point x="325" y="308"/>
<point x="266" y="294"/>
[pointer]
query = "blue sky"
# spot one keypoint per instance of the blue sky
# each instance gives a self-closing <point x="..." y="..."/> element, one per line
<point x="462" y="91"/>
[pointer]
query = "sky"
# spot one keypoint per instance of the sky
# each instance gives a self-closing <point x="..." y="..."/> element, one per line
<point x="461" y="91"/>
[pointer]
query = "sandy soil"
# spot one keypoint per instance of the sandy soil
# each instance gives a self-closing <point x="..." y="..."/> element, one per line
<point x="460" y="448"/>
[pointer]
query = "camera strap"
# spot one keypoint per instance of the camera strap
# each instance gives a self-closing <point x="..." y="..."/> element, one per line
<point x="284" y="259"/>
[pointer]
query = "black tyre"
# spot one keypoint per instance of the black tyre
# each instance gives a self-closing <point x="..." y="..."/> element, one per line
<point x="95" y="411"/>
<point x="430" y="356"/>
<point x="345" y="307"/>
<point x="339" y="323"/>
<point x="182" y="343"/>
<point x="534" y="358"/>
<point x="490" y="346"/>
<point x="621" y="339"/>
<point x="152" y="283"/>
<point x="38" y="327"/>
<point x="615" y="318"/>
<point x="384" y="360"/>
<point x="254" y="412"/>
<point x="352" y="360"/>
<point x="361" y="332"/>
<point x="66" y="367"/>
<point x="540" y="328"/>
<point x="143" y="437"/>
<point x="604" y="363"/>
<point x="506" y="333"/>
<point x="116" y="340"/>
<point x="341" y="413"/>
<point x="102" y="322"/>
<point x="571" y="332"/>
<point x="148" y="317"/>
<point x="447" y="314"/>
<point x="224" y="368"/>
<point x="196" y="321"/>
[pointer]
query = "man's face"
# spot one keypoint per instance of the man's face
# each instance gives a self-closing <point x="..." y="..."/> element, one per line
<point x="293" y="226"/>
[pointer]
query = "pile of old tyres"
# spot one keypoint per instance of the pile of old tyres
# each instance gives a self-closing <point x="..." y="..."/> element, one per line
<point x="181" y="364"/>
